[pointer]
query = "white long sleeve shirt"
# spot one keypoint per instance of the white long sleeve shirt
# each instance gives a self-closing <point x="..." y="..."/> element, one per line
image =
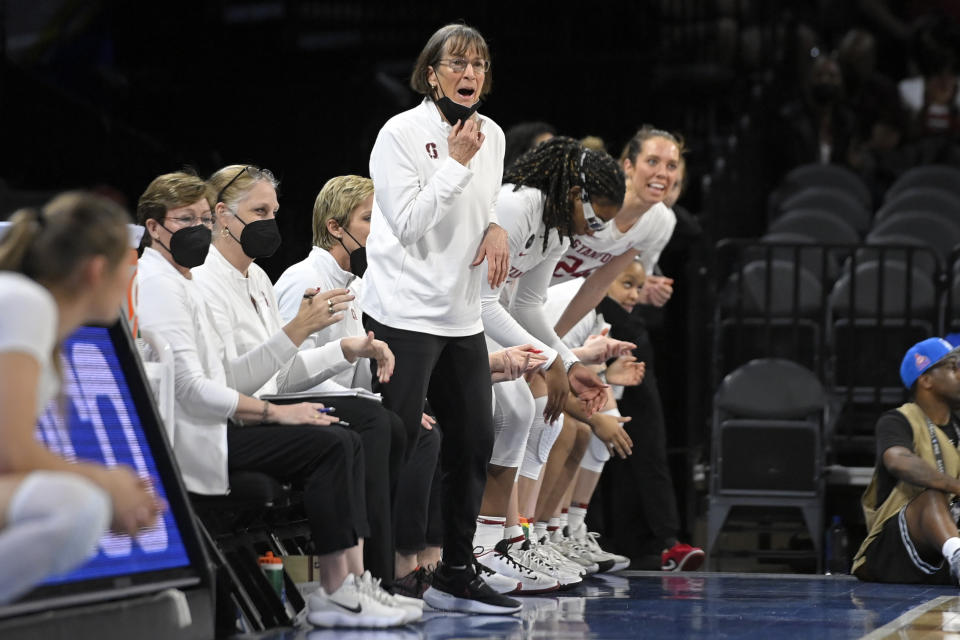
<point x="174" y="308"/>
<point x="261" y="357"/>
<point x="648" y="235"/>
<point x="320" y="270"/>
<point x="429" y="216"/>
<point x="513" y="313"/>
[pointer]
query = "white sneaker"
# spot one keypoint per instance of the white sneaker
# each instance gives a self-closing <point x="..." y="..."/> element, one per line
<point x="530" y="554"/>
<point x="574" y="551"/>
<point x="502" y="560"/>
<point x="412" y="607"/>
<point x="496" y="581"/>
<point x="588" y="540"/>
<point x="350" y="606"/>
<point x="546" y="547"/>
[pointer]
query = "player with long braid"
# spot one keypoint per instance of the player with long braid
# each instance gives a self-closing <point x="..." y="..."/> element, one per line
<point x="555" y="191"/>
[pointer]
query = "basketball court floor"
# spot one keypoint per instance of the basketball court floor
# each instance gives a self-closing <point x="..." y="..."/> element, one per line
<point x="643" y="604"/>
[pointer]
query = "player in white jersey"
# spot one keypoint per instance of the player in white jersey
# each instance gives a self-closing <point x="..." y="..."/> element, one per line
<point x="643" y="226"/>
<point x="550" y="193"/>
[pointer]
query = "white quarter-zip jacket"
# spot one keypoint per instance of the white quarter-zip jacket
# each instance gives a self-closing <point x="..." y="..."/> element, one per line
<point x="429" y="216"/>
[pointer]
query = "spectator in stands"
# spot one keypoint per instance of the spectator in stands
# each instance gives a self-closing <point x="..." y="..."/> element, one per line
<point x="241" y="297"/>
<point x="59" y="268"/>
<point x="221" y="428"/>
<point x="910" y="505"/>
<point x="818" y="127"/>
<point x="932" y="97"/>
<point x="433" y="225"/>
<point x="524" y="136"/>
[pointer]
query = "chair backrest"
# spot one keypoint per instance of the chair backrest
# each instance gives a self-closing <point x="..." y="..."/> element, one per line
<point x="779" y="288"/>
<point x="839" y="202"/>
<point x="156" y="354"/>
<point x="931" y="229"/>
<point x="821" y="226"/>
<point x="770" y="388"/>
<point x="905" y="294"/>
<point x="821" y="262"/>
<point x="931" y="175"/>
<point x="903" y="249"/>
<point x="828" y="175"/>
<point x="931" y="199"/>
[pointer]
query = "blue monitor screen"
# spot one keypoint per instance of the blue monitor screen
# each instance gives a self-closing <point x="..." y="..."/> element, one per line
<point x="97" y="420"/>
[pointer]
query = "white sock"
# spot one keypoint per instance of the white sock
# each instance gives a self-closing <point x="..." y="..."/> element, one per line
<point x="513" y="533"/>
<point x="575" y="518"/>
<point x="950" y="547"/>
<point x="489" y="532"/>
<point x="539" y="530"/>
<point x="563" y="518"/>
<point x="554" y="526"/>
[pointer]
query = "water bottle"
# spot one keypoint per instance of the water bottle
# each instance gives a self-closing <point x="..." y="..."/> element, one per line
<point x="272" y="567"/>
<point x="837" y="548"/>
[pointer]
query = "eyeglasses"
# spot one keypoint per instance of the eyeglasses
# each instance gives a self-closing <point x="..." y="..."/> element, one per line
<point x="254" y="173"/>
<point x="459" y="65"/>
<point x="191" y="221"/>
<point x="594" y="223"/>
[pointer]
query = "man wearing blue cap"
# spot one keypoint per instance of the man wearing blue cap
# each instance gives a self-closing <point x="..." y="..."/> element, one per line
<point x="909" y="506"/>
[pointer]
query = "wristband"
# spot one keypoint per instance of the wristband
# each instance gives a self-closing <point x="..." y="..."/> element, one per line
<point x="263" y="414"/>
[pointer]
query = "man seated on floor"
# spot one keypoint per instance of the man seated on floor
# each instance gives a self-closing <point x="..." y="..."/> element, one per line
<point x="911" y="506"/>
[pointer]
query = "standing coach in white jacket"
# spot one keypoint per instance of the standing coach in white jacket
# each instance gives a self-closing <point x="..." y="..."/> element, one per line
<point x="436" y="171"/>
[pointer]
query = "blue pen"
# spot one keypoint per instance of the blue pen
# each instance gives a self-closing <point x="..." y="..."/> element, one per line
<point x="326" y="410"/>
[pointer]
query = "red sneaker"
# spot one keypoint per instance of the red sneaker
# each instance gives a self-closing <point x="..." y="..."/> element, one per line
<point x="681" y="557"/>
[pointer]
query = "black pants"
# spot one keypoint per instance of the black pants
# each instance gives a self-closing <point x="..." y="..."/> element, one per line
<point x="416" y="507"/>
<point x="454" y="373"/>
<point x="383" y="436"/>
<point x="326" y="462"/>
<point x="639" y="501"/>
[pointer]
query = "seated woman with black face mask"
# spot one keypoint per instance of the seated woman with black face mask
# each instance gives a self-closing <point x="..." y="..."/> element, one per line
<point x="219" y="427"/>
<point x="245" y="309"/>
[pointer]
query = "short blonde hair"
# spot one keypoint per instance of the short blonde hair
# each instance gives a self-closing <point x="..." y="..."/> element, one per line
<point x="338" y="198"/>
<point x="170" y="191"/>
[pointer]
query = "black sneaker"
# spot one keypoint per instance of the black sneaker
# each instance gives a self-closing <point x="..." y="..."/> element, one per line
<point x="413" y="584"/>
<point x="464" y="591"/>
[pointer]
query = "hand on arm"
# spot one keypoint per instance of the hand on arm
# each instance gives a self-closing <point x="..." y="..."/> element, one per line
<point x="318" y="310"/>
